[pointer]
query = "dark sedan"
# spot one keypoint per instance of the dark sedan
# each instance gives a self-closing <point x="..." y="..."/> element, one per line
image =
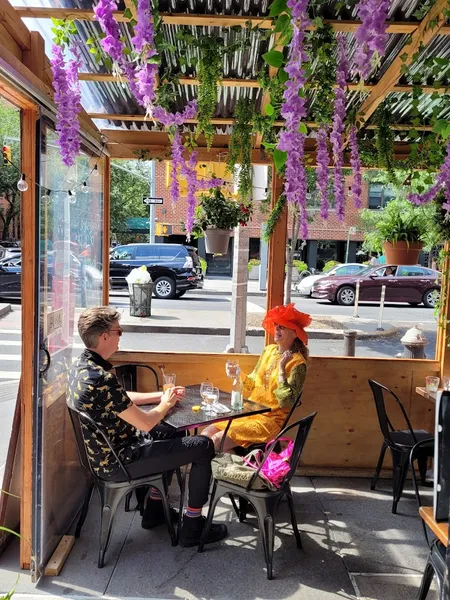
<point x="411" y="284"/>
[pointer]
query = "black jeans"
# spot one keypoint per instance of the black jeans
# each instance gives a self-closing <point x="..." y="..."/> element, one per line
<point x="170" y="451"/>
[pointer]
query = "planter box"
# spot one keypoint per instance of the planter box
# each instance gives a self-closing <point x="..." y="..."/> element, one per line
<point x="402" y="253"/>
<point x="254" y="272"/>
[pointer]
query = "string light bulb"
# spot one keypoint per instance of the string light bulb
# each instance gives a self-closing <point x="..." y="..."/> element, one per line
<point x="84" y="188"/>
<point x="72" y="196"/>
<point x="45" y="198"/>
<point x="22" y="185"/>
<point x="95" y="172"/>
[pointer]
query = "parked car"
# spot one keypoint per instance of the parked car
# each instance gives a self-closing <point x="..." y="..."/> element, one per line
<point x="411" y="284"/>
<point x="174" y="268"/>
<point x="304" y="287"/>
<point x="11" y="270"/>
<point x="9" y="249"/>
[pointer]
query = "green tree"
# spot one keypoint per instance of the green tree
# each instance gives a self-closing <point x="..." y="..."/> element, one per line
<point x="130" y="181"/>
<point x="9" y="175"/>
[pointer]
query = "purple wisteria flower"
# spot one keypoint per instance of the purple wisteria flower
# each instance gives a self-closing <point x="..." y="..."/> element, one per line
<point x="338" y="128"/>
<point x="189" y="170"/>
<point x="323" y="161"/>
<point x="111" y="44"/>
<point x="170" y="119"/>
<point x="68" y="102"/>
<point x="176" y="166"/>
<point x="142" y="76"/>
<point x="294" y="110"/>
<point x="442" y="181"/>
<point x="371" y="36"/>
<point x="356" y="166"/>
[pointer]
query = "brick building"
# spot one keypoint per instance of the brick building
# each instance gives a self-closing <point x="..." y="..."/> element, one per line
<point x="327" y="239"/>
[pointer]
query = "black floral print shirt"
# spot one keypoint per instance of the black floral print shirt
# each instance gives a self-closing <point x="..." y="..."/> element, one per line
<point x="96" y="391"/>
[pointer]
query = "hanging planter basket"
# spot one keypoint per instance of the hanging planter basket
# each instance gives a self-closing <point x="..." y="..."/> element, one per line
<point x="217" y="240"/>
<point x="402" y="253"/>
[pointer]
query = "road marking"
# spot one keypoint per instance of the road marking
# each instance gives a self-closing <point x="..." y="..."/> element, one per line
<point x="10" y="331"/>
<point x="254" y="308"/>
<point x="10" y="375"/>
<point x="15" y="357"/>
<point x="19" y="343"/>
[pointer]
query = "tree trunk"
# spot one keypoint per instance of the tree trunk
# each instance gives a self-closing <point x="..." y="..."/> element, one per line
<point x="290" y="249"/>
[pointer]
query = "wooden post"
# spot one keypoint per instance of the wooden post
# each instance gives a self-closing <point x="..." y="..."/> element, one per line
<point x="34" y="58"/>
<point x="442" y="348"/>
<point x="277" y="252"/>
<point x="106" y="227"/>
<point x="29" y="306"/>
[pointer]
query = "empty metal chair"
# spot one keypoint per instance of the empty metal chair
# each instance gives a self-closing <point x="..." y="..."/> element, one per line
<point x="399" y="441"/>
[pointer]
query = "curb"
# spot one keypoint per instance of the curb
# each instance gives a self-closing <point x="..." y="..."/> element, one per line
<point x="5" y="309"/>
<point x="313" y="334"/>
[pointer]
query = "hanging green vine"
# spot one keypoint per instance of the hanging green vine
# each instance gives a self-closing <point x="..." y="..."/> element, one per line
<point x="274" y="217"/>
<point x="209" y="69"/>
<point x="240" y="148"/>
<point x="322" y="43"/>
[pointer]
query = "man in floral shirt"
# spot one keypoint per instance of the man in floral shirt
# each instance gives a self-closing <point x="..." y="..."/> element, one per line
<point x="141" y="442"/>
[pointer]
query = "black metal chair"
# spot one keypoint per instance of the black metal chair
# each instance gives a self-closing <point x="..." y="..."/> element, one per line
<point x="436" y="556"/>
<point x="265" y="502"/>
<point x="399" y="442"/>
<point x="111" y="492"/>
<point x="127" y="374"/>
<point x="241" y="510"/>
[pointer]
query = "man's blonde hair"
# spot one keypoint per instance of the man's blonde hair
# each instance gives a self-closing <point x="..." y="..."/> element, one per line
<point x="93" y="322"/>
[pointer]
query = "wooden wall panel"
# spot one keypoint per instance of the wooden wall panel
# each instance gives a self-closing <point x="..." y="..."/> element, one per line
<point x="9" y="43"/>
<point x="345" y="435"/>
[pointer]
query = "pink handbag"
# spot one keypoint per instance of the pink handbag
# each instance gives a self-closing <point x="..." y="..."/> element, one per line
<point x="276" y="465"/>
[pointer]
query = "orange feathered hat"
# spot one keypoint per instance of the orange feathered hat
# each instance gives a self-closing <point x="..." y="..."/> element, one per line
<point x="289" y="317"/>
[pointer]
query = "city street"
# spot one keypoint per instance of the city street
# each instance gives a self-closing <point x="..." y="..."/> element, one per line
<point x="402" y="316"/>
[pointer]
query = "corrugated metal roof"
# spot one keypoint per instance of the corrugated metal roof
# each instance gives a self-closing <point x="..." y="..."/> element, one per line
<point x="116" y="98"/>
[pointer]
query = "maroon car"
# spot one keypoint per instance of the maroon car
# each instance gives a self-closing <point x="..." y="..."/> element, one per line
<point x="412" y="284"/>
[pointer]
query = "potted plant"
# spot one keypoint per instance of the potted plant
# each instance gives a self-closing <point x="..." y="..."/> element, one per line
<point x="398" y="230"/>
<point x="216" y="218"/>
<point x="253" y="268"/>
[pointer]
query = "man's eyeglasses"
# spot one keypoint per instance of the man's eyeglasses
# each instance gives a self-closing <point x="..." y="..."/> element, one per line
<point x="119" y="331"/>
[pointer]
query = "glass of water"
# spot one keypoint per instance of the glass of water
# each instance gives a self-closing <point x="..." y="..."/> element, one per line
<point x="205" y="387"/>
<point x="211" y="398"/>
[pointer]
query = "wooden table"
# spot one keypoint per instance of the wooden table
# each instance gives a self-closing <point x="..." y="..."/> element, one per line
<point x="426" y="394"/>
<point x="440" y="530"/>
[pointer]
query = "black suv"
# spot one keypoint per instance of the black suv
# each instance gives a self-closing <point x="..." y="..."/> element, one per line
<point x="174" y="268"/>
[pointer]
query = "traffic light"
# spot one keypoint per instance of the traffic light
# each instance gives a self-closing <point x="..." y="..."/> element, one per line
<point x="6" y="150"/>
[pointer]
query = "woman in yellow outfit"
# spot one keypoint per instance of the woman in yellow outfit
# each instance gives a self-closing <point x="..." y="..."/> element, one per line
<point x="276" y="381"/>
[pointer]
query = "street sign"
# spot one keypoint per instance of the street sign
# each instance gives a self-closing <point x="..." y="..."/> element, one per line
<point x="147" y="200"/>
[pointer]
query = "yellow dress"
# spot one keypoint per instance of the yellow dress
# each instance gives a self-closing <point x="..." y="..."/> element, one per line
<point x="262" y="386"/>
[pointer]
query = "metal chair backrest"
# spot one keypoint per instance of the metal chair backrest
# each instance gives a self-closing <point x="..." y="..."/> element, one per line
<point x="127" y="374"/>
<point x="304" y="425"/>
<point x="291" y="412"/>
<point x="386" y="426"/>
<point x="79" y="418"/>
<point x="418" y="450"/>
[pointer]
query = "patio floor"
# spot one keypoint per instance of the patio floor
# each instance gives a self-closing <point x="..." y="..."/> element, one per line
<point x="353" y="547"/>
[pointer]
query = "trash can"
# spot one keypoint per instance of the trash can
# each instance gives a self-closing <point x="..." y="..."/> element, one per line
<point x="140" y="299"/>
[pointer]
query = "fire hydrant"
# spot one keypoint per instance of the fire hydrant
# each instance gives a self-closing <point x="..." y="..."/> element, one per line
<point x="414" y="342"/>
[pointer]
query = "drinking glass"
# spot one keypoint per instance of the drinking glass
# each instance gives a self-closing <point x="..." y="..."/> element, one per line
<point x="169" y="380"/>
<point x="211" y="397"/>
<point x="232" y="368"/>
<point x="446" y="383"/>
<point x="205" y="387"/>
<point x="432" y="383"/>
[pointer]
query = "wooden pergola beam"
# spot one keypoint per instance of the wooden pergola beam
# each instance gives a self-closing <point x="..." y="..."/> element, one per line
<point x="430" y="26"/>
<point x="253" y="83"/>
<point x="13" y="24"/>
<point x="229" y="121"/>
<point x="82" y="14"/>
